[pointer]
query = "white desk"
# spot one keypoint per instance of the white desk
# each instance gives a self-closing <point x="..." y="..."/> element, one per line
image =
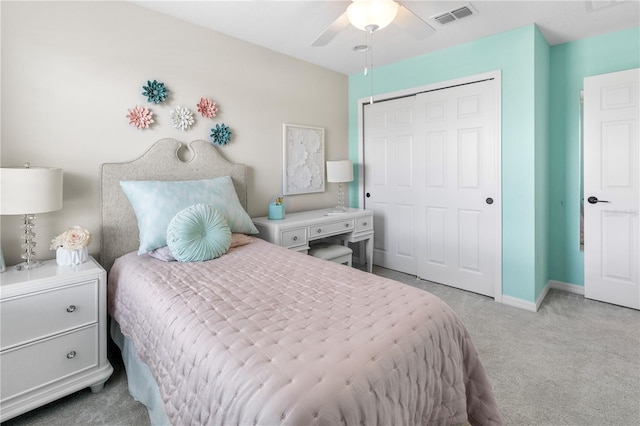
<point x="296" y="230"/>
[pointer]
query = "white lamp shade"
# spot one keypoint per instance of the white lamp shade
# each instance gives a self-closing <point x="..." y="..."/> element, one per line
<point x="380" y="13"/>
<point x="30" y="190"/>
<point x="339" y="171"/>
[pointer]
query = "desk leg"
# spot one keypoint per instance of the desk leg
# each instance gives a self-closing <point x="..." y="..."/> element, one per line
<point x="369" y="250"/>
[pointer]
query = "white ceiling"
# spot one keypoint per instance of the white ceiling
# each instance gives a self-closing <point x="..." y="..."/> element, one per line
<point x="290" y="27"/>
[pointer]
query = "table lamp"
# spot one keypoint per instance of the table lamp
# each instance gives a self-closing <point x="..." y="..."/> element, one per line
<point x="339" y="171"/>
<point x="27" y="191"/>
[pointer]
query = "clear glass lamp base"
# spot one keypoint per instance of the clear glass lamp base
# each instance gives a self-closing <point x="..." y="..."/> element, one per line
<point x="340" y="207"/>
<point x="337" y="210"/>
<point x="24" y="266"/>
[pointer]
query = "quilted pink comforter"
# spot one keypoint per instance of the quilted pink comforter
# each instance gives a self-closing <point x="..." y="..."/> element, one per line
<point x="264" y="335"/>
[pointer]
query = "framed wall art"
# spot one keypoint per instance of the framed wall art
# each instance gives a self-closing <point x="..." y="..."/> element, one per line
<point x="303" y="159"/>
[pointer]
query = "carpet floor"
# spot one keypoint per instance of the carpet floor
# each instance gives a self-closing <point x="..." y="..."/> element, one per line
<point x="574" y="362"/>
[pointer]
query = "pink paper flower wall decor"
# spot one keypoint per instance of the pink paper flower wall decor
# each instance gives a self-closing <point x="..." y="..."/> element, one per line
<point x="140" y="117"/>
<point x="207" y="108"/>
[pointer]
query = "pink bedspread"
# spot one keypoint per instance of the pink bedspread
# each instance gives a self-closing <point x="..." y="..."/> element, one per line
<point x="265" y="335"/>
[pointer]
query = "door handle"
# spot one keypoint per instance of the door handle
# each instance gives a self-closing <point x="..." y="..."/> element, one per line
<point x="594" y="200"/>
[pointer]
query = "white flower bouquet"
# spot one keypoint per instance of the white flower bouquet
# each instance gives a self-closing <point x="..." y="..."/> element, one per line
<point x="72" y="246"/>
<point x="73" y="238"/>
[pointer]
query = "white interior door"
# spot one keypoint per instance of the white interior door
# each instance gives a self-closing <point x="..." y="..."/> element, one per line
<point x="390" y="135"/>
<point x="612" y="188"/>
<point x="460" y="192"/>
<point x="431" y="172"/>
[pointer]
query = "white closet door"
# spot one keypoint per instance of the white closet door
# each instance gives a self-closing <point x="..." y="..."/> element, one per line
<point x="390" y="133"/>
<point x="612" y="188"/>
<point x="432" y="178"/>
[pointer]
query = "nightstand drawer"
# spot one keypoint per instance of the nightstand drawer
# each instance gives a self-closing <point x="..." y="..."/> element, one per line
<point x="364" y="224"/>
<point x="36" y="315"/>
<point x="31" y="366"/>
<point x="331" y="228"/>
<point x="294" y="237"/>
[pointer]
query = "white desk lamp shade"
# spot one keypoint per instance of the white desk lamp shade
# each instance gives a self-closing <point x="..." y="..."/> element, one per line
<point x="30" y="190"/>
<point x="339" y="171"/>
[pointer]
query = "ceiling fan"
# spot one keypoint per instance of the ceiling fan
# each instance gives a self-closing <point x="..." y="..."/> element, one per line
<point x="371" y="15"/>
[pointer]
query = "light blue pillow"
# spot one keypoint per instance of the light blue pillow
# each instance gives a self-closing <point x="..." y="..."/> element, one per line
<point x="155" y="203"/>
<point x="198" y="233"/>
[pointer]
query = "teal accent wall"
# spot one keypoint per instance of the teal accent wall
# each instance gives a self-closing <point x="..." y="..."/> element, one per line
<point x="514" y="53"/>
<point x="570" y="64"/>
<point x="542" y="60"/>
<point x="540" y="147"/>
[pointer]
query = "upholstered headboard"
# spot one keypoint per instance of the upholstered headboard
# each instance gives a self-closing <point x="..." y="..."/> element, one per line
<point x="161" y="162"/>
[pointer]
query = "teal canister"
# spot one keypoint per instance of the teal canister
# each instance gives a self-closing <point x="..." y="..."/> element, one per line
<point x="276" y="211"/>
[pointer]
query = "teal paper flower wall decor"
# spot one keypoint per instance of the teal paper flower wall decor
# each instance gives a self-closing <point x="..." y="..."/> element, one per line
<point x="155" y="91"/>
<point x="221" y="134"/>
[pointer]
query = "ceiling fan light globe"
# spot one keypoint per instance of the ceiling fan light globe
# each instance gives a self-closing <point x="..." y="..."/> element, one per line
<point x="368" y="13"/>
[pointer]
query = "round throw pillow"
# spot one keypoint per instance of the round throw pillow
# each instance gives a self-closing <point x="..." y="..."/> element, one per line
<point x="198" y="233"/>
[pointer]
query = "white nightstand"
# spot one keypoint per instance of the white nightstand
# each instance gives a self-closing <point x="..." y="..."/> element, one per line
<point x="53" y="334"/>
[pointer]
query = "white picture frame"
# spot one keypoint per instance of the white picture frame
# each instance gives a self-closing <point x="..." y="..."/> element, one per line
<point x="303" y="159"/>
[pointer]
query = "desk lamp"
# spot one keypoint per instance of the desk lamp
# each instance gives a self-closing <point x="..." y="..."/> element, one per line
<point x="340" y="171"/>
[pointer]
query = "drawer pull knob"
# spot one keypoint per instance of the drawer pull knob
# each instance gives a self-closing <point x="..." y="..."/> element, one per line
<point x="295" y="238"/>
<point x="71" y="355"/>
<point x="319" y="230"/>
<point x="346" y="225"/>
<point x="364" y="223"/>
<point x="71" y="308"/>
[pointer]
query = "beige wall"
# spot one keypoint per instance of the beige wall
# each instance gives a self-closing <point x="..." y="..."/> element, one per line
<point x="71" y="70"/>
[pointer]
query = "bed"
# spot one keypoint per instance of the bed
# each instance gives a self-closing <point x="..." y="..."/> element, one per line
<point x="265" y="335"/>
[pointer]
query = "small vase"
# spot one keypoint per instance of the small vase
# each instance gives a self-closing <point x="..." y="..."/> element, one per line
<point x="66" y="257"/>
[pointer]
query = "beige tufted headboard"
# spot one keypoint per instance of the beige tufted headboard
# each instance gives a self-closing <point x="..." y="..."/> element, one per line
<point x="161" y="162"/>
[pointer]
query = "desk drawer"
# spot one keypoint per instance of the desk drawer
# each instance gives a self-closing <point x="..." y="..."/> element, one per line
<point x="364" y="224"/>
<point x="31" y="366"/>
<point x="294" y="238"/>
<point x="36" y="315"/>
<point x="331" y="228"/>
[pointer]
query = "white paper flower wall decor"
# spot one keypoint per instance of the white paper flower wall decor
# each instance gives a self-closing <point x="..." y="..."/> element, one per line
<point x="181" y="118"/>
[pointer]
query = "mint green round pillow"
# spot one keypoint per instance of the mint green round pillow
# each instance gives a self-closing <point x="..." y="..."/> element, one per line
<point x="198" y="233"/>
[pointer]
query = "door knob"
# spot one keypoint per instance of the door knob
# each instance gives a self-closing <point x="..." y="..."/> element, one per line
<point x="368" y="195"/>
<point x="489" y="200"/>
<point x="594" y="200"/>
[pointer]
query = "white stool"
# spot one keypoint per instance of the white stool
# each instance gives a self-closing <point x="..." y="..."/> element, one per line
<point x="333" y="252"/>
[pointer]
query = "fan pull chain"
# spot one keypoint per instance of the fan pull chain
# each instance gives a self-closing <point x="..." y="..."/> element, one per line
<point x="366" y="53"/>
<point x="371" y="77"/>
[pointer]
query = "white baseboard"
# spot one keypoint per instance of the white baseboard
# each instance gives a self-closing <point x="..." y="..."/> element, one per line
<point x="519" y="303"/>
<point x="542" y="295"/>
<point x="551" y="284"/>
<point x="569" y="288"/>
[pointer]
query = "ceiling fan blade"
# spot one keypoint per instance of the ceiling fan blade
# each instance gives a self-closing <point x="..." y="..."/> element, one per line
<point x="338" y="25"/>
<point x="413" y="24"/>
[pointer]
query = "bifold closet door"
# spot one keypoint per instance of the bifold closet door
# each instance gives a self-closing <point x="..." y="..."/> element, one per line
<point x="432" y="179"/>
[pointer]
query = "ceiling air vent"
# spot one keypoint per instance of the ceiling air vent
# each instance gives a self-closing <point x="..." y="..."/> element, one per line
<point x="454" y="14"/>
